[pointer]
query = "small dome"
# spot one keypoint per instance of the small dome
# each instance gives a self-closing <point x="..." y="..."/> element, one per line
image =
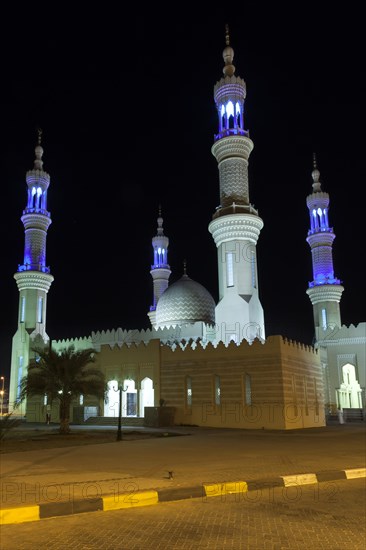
<point x="185" y="302"/>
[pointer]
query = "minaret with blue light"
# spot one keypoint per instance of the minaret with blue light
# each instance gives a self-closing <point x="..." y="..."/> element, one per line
<point x="160" y="269"/>
<point x="33" y="276"/>
<point x="235" y="225"/>
<point x="325" y="290"/>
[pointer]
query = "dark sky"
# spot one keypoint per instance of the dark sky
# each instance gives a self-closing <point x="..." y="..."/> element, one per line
<point x="128" y="117"/>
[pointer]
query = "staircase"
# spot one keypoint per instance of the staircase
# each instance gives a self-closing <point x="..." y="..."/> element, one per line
<point x="113" y="421"/>
<point x="353" y="415"/>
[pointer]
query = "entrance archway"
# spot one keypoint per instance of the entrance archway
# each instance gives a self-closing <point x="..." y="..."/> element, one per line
<point x="146" y="395"/>
<point x="349" y="393"/>
<point x="129" y="399"/>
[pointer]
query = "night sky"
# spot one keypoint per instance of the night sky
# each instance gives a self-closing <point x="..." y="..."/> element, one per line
<point x="128" y="117"/>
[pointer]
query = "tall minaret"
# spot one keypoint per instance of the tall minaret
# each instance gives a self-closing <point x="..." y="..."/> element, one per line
<point x="33" y="277"/>
<point x="325" y="290"/>
<point x="235" y="226"/>
<point x="160" y="269"/>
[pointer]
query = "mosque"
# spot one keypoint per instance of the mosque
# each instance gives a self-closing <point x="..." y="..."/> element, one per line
<point x="204" y="363"/>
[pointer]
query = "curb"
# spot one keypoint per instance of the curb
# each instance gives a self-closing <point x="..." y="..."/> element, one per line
<point x="147" y="498"/>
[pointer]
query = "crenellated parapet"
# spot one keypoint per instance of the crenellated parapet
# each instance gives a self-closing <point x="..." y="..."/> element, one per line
<point x="79" y="343"/>
<point x="276" y="345"/>
<point x="347" y="334"/>
<point x="168" y="335"/>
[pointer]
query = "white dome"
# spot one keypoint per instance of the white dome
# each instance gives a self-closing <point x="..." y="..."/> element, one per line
<point x="185" y="302"/>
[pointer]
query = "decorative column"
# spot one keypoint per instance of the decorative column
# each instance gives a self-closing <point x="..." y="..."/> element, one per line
<point x="325" y="290"/>
<point x="160" y="269"/>
<point x="235" y="226"/>
<point x="33" y="276"/>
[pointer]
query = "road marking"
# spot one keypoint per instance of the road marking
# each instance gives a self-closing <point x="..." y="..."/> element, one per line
<point x="130" y="500"/>
<point x="355" y="472"/>
<point x="219" y="489"/>
<point x="299" y="479"/>
<point x="19" y="515"/>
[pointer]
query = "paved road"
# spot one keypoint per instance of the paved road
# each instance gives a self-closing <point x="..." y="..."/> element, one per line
<point x="329" y="515"/>
<point x="73" y="479"/>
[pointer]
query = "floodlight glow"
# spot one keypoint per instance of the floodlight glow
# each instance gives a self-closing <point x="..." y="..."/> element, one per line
<point x="230" y="108"/>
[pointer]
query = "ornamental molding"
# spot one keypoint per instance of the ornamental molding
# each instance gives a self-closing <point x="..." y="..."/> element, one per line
<point x="36" y="221"/>
<point x="29" y="280"/>
<point x="232" y="227"/>
<point x="361" y="340"/>
<point x="318" y="198"/>
<point x="320" y="238"/>
<point x="37" y="176"/>
<point x="232" y="146"/>
<point x="230" y="87"/>
<point x="160" y="273"/>
<point x="325" y="293"/>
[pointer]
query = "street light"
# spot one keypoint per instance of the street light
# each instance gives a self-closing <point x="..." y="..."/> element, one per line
<point x="2" y="392"/>
<point x="119" y="430"/>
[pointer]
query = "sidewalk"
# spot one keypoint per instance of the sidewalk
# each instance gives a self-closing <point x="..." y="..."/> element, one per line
<point x="203" y="462"/>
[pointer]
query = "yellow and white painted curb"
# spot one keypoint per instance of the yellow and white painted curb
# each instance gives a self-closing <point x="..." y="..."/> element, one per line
<point x="21" y="514"/>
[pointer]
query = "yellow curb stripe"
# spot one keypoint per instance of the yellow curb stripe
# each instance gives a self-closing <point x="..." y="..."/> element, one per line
<point x="355" y="472"/>
<point x="219" y="489"/>
<point x="19" y="515"/>
<point x="130" y="500"/>
<point x="299" y="479"/>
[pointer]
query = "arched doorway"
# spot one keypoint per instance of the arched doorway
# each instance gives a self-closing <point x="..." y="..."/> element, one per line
<point x="111" y="406"/>
<point x="349" y="393"/>
<point x="146" y="395"/>
<point x="129" y="398"/>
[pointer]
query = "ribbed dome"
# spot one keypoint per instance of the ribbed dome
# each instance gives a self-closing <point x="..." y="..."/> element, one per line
<point x="183" y="302"/>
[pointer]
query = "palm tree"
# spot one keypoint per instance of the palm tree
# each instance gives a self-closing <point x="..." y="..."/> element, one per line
<point x="63" y="375"/>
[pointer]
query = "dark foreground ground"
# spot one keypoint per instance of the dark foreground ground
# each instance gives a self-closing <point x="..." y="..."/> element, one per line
<point x="38" y="437"/>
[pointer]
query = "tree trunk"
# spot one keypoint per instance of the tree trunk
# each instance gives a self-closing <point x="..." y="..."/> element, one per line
<point x="65" y="416"/>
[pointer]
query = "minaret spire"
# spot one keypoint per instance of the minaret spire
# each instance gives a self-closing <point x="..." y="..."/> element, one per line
<point x="325" y="290"/>
<point x="160" y="269"/>
<point x="228" y="55"/>
<point x="315" y="175"/>
<point x="33" y="276"/>
<point x="235" y="226"/>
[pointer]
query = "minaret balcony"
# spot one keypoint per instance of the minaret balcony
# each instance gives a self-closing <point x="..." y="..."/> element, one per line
<point x="320" y="230"/>
<point x="160" y="266"/>
<point x="324" y="281"/>
<point x="231" y="132"/>
<point x="34" y="267"/>
<point x="42" y="211"/>
<point x="234" y="208"/>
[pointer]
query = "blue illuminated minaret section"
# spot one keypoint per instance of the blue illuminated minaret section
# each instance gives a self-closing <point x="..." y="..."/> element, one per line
<point x="235" y="225"/>
<point x="325" y="290"/>
<point x="160" y="269"/>
<point x="36" y="219"/>
<point x="33" y="277"/>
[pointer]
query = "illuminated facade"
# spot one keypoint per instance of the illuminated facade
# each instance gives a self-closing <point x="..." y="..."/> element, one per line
<point x="210" y="362"/>
<point x="342" y="349"/>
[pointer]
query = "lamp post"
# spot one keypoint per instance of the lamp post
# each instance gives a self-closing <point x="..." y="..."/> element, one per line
<point x="2" y="391"/>
<point x="119" y="430"/>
